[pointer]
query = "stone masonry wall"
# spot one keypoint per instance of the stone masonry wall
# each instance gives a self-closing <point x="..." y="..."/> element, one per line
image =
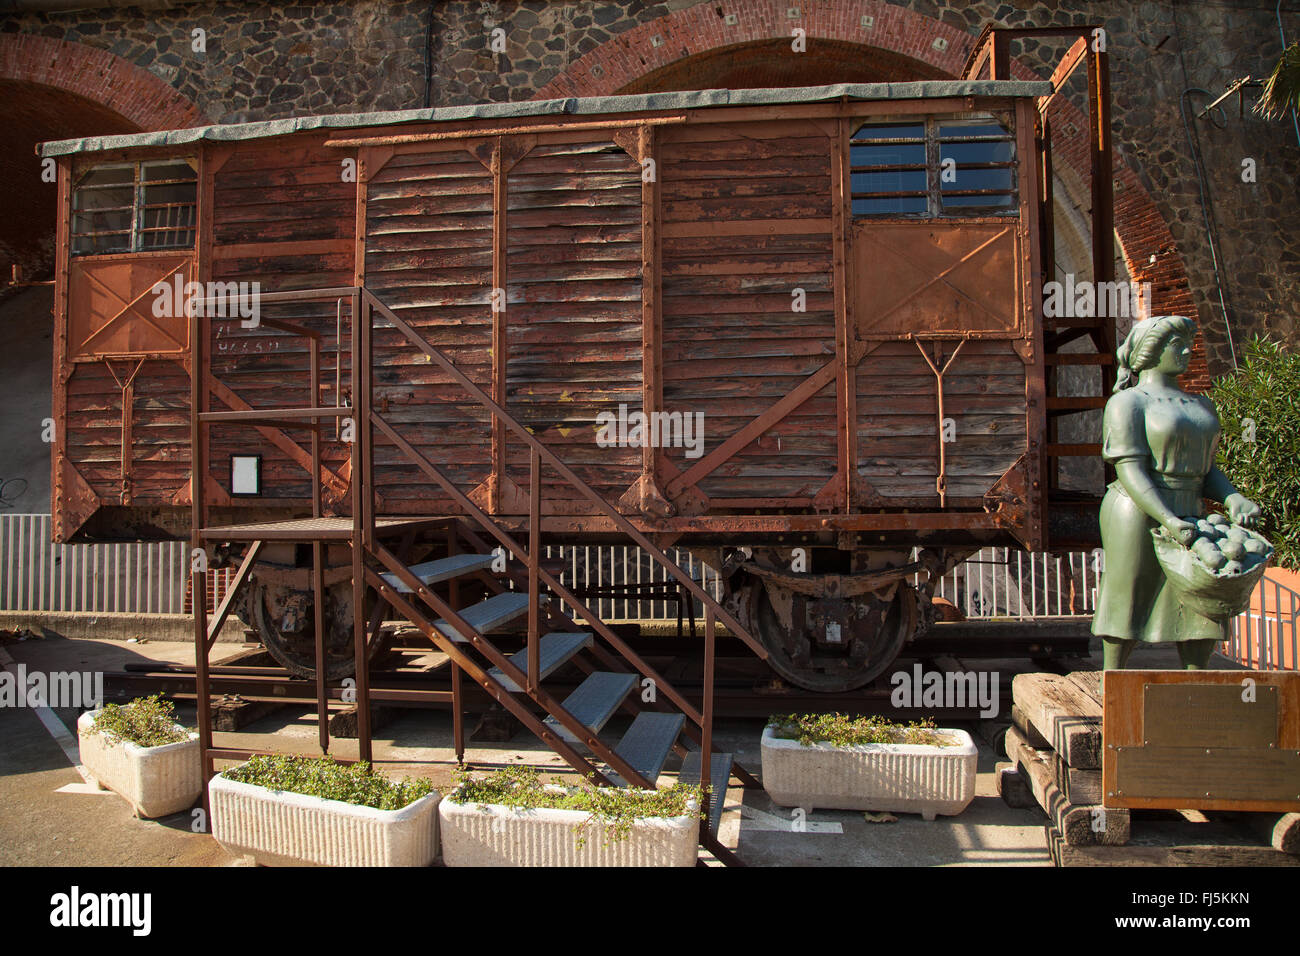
<point x="273" y="60"/>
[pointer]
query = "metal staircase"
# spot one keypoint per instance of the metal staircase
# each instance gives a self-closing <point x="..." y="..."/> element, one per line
<point x="457" y="550"/>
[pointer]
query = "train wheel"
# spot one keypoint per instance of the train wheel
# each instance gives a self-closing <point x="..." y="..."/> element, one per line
<point x="832" y="645"/>
<point x="285" y="619"/>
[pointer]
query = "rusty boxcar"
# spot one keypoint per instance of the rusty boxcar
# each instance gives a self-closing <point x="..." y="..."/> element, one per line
<point x="839" y="284"/>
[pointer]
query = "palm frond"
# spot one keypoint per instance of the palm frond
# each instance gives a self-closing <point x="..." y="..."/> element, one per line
<point x="1282" y="88"/>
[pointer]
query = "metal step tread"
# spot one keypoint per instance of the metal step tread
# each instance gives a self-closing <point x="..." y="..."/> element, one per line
<point x="553" y="650"/>
<point x="486" y="615"/>
<point x="594" y="701"/>
<point x="648" y="742"/>
<point x="719" y="776"/>
<point x="443" y="569"/>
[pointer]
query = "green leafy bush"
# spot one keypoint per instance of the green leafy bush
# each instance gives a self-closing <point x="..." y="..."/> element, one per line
<point x="616" y="808"/>
<point x="843" y="730"/>
<point x="145" y="721"/>
<point x="1265" y="390"/>
<point x="328" y="779"/>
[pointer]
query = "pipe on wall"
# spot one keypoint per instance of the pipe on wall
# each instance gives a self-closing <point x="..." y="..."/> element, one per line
<point x="1277" y="12"/>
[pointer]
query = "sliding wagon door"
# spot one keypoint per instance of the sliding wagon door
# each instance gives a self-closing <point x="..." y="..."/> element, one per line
<point x="573" y="311"/>
<point x="749" y="312"/>
<point x="429" y="236"/>
<point x="948" y="357"/>
<point x="519" y="257"/>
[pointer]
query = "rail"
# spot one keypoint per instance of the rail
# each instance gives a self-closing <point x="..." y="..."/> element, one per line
<point x="1010" y="584"/>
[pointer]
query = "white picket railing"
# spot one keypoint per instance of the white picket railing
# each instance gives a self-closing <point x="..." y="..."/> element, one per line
<point x="151" y="577"/>
<point x="38" y="575"/>
<point x="1018" y="585"/>
<point x="624" y="569"/>
<point x="996" y="583"/>
<point x="1264" y="637"/>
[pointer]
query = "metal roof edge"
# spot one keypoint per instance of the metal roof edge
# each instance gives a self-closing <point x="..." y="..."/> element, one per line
<point x="630" y="103"/>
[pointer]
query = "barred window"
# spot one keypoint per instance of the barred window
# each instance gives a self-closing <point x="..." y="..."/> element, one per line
<point x="134" y="207"/>
<point x="936" y="167"/>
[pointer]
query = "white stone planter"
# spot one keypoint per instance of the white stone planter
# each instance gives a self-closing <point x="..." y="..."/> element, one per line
<point x="278" y="828"/>
<point x="479" y="834"/>
<point x="899" y="778"/>
<point x="156" y="781"/>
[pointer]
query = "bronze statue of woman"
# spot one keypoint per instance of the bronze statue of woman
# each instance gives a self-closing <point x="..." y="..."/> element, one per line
<point x="1162" y="443"/>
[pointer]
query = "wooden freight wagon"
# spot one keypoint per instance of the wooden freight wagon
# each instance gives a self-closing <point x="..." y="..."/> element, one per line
<point x="795" y="331"/>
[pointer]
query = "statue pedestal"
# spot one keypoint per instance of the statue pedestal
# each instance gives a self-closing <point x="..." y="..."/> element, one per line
<point x="1060" y="747"/>
<point x="1201" y="740"/>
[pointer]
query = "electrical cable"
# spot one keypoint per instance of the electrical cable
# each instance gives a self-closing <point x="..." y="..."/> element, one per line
<point x="428" y="58"/>
<point x="1201" y="187"/>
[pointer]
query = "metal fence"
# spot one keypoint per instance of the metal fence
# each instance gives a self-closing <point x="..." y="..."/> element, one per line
<point x="153" y="577"/>
<point x="623" y="583"/>
<point x="1019" y="585"/>
<point x="39" y="575"/>
<point x="620" y="582"/>
<point x="1264" y="637"/>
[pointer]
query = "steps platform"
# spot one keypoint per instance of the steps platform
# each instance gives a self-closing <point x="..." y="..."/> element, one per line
<point x="553" y="650"/>
<point x="443" y="569"/>
<point x="487" y="615"/>
<point x="648" y="742"/>
<point x="719" y="777"/>
<point x="594" y="701"/>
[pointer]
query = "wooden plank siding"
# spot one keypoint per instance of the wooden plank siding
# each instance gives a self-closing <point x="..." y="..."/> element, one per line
<point x="573" y="315"/>
<point x="740" y="215"/>
<point x="746" y="220"/>
<point x="428" y="256"/>
<point x="282" y="216"/>
<point x="898" y="431"/>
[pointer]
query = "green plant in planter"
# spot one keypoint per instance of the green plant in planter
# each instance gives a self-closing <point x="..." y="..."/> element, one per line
<point x="616" y="808"/>
<point x="145" y="722"/>
<point x="323" y="777"/>
<point x="843" y="730"/>
<point x="1259" y="449"/>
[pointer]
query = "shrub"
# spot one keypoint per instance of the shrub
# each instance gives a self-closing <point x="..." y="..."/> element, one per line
<point x="145" y="721"/>
<point x="328" y="779"/>
<point x="1265" y="389"/>
<point x="617" y="808"/>
<point x="843" y="730"/>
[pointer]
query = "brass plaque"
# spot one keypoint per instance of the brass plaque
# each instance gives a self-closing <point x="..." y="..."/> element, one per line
<point x="1209" y="715"/>
<point x="1207" y="774"/>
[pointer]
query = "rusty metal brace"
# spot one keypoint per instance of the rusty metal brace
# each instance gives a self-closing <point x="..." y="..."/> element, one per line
<point x="128" y="400"/>
<point x="941" y="482"/>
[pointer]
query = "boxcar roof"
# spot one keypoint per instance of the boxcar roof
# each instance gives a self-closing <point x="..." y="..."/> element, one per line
<point x="644" y="102"/>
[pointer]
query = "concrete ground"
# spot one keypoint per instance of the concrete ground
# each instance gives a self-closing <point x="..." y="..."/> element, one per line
<point x="51" y="817"/>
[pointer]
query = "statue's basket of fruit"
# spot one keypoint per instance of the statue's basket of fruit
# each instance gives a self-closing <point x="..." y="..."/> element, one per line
<point x="1215" y="575"/>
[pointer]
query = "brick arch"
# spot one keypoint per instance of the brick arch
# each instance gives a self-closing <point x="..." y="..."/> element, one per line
<point x="53" y="89"/>
<point x="1145" y="241"/>
<point x="138" y="96"/>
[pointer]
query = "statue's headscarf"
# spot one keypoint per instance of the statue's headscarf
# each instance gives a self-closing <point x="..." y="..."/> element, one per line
<point x="1144" y="343"/>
